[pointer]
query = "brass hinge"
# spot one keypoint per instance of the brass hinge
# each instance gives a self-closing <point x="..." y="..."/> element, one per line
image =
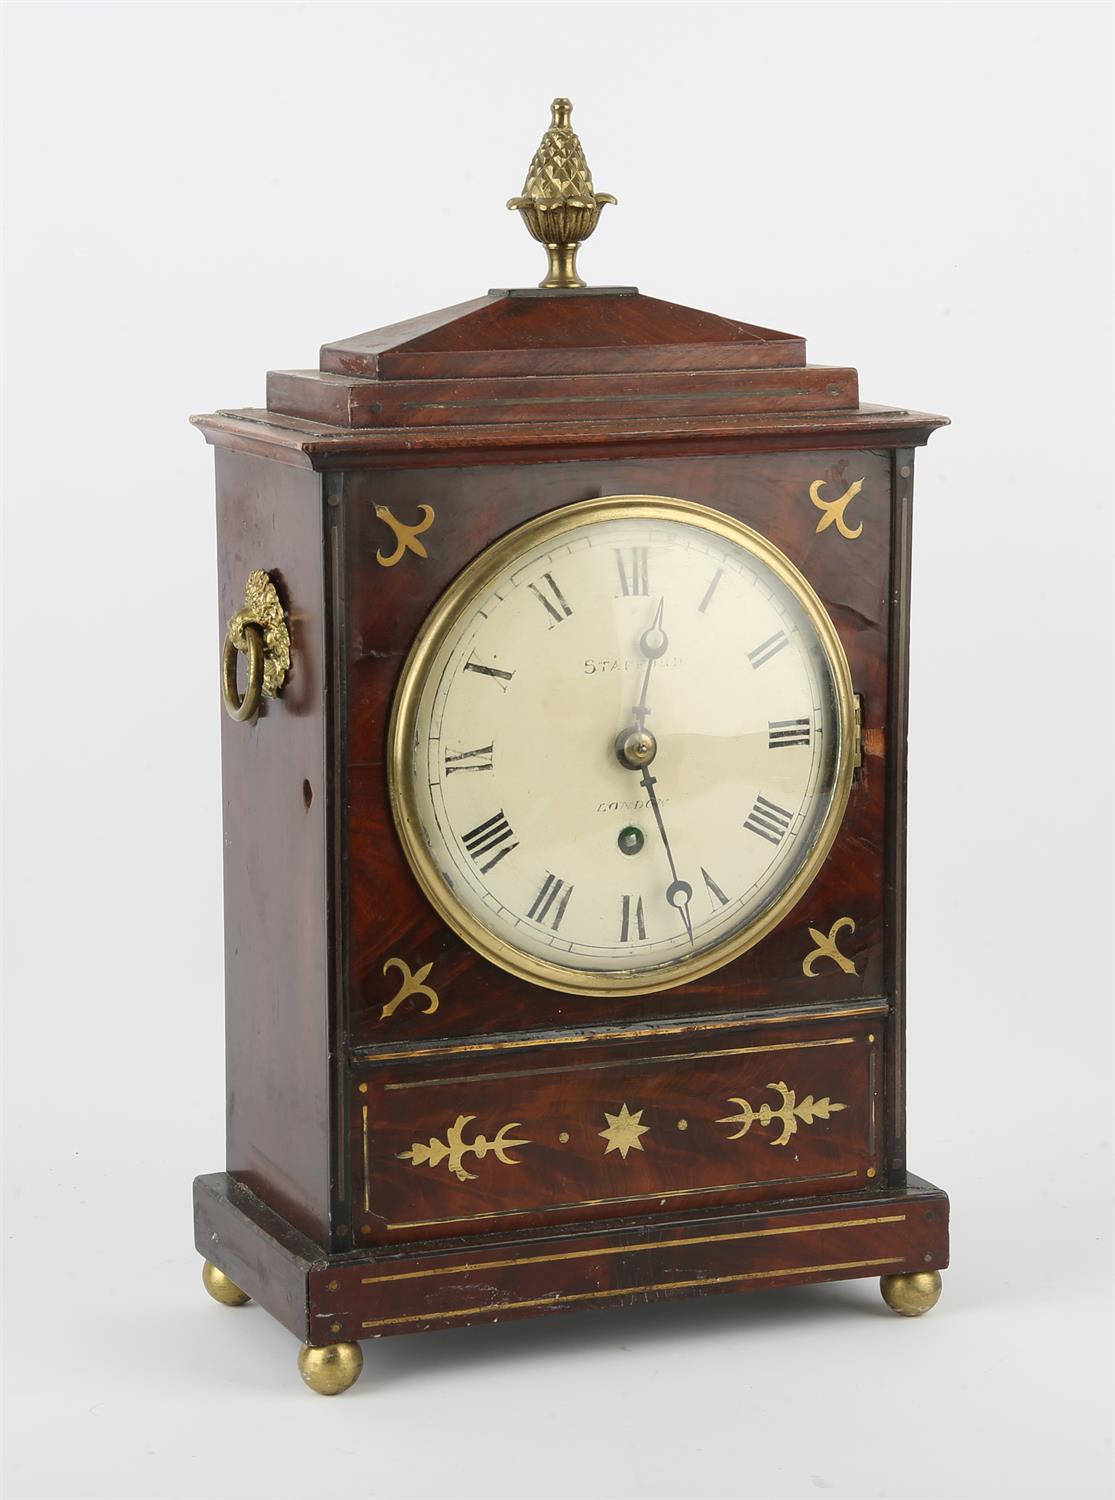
<point x="857" y="733"/>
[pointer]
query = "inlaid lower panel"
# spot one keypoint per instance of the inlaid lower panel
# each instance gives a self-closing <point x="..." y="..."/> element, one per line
<point x="479" y="1140"/>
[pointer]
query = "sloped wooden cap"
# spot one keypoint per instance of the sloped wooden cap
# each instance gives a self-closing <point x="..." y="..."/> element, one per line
<point x="569" y="368"/>
<point x="601" y="331"/>
<point x="551" y="357"/>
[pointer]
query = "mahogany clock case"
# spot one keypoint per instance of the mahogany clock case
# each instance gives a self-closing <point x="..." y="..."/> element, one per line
<point x="360" y="1027"/>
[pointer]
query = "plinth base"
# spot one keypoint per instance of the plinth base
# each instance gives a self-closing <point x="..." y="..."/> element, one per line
<point x="334" y="1299"/>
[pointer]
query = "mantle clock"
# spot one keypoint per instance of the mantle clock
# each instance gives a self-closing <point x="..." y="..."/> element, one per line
<point x="565" y="650"/>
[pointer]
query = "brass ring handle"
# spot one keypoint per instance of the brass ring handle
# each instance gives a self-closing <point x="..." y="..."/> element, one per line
<point x="250" y="641"/>
<point x="260" y="631"/>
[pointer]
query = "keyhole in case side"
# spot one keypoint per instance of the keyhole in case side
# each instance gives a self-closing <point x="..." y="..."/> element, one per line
<point x="307" y="795"/>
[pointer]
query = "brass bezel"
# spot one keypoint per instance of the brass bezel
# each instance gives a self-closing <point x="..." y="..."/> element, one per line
<point x="472" y="580"/>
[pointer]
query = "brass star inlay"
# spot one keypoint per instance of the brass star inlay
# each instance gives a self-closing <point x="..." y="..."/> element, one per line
<point x="623" y="1131"/>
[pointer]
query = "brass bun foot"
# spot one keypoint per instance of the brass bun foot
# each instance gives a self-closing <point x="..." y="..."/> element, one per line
<point x="220" y="1288"/>
<point x="913" y="1294"/>
<point x="330" y="1369"/>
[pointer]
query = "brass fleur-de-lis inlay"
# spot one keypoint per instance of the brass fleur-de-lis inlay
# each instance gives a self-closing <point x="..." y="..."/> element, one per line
<point x="623" y="1131"/>
<point x="410" y="984"/>
<point x="834" y="509"/>
<point x="790" y="1111"/>
<point x="454" y="1148"/>
<point x="826" y="948"/>
<point x="406" y="537"/>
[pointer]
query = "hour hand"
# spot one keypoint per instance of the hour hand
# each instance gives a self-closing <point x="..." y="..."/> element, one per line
<point x="653" y="643"/>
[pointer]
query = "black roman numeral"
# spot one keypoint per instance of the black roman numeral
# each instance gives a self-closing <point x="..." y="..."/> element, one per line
<point x="490" y="835"/>
<point x="497" y="673"/>
<point x="552" y="890"/>
<point x="787" y="732"/>
<point x="632" y="918"/>
<point x="479" y="759"/>
<point x="553" y="601"/>
<point x="766" y="649"/>
<point x="712" y="887"/>
<point x="634" y="577"/>
<point x="768" y="820"/>
<point x="707" y="600"/>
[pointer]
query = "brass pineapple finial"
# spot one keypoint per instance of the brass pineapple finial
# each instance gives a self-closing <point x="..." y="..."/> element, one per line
<point x="558" y="204"/>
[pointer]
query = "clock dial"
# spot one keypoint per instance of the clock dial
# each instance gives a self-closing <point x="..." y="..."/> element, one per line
<point x="622" y="745"/>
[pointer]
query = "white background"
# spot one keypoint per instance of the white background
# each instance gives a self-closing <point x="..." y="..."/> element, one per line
<point x="197" y="193"/>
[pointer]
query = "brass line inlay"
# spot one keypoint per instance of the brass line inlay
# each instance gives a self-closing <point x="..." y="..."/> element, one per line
<point x="704" y="1239"/>
<point x="340" y="1156"/>
<point x="898" y="621"/>
<point x="557" y="1208"/>
<point x="871" y="1072"/>
<point x="628" y="1291"/>
<point x="631" y="1062"/>
<point x="367" y="1174"/>
<point x="775" y="1018"/>
<point x="772" y="392"/>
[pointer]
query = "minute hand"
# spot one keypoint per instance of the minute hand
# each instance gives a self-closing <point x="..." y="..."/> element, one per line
<point x="679" y="891"/>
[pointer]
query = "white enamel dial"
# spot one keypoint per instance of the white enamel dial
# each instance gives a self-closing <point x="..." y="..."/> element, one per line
<point x="621" y="747"/>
